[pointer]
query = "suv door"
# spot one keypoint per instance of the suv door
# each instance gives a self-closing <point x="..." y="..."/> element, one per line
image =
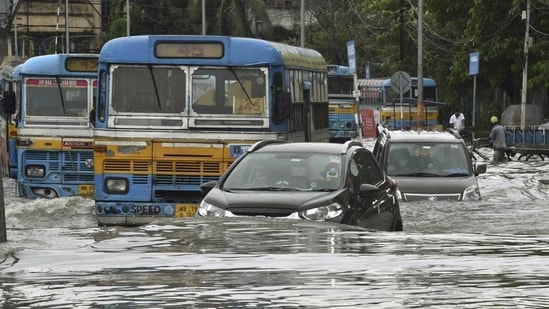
<point x="379" y="147"/>
<point x="373" y="212"/>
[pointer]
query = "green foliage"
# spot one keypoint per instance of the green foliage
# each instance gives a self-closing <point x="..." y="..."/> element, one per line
<point x="386" y="33"/>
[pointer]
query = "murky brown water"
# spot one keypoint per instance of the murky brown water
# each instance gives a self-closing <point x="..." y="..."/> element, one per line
<point x="488" y="254"/>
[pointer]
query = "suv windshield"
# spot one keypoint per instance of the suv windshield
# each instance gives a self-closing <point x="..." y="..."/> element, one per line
<point x="428" y="159"/>
<point x="286" y="171"/>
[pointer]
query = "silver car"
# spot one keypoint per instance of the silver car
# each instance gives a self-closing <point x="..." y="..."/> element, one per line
<point x="429" y="165"/>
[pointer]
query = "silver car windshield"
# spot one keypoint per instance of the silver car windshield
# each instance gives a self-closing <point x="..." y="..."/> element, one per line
<point x="428" y="159"/>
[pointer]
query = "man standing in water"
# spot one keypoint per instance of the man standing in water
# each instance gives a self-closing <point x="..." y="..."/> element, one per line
<point x="497" y="140"/>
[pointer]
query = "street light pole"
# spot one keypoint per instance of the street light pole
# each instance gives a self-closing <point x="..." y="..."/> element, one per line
<point x="525" y="67"/>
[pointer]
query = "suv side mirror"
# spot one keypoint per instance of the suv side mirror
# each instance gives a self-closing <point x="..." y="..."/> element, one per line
<point x="480" y="169"/>
<point x="207" y="186"/>
<point x="368" y="191"/>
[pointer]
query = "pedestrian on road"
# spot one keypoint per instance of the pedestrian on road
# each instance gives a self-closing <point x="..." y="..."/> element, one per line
<point x="497" y="140"/>
<point x="457" y="122"/>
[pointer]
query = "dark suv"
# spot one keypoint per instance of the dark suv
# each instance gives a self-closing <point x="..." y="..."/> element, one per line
<point x="429" y="165"/>
<point x="340" y="183"/>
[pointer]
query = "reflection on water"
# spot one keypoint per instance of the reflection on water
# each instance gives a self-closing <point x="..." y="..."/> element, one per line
<point x="492" y="253"/>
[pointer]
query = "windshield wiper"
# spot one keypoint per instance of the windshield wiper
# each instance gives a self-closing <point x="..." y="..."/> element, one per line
<point x="422" y="174"/>
<point x="155" y="87"/>
<point x="242" y="86"/>
<point x="60" y="94"/>
<point x="456" y="175"/>
<point x="269" y="189"/>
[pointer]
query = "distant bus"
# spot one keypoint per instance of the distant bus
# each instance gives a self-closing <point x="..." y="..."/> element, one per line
<point x="344" y="120"/>
<point x="397" y="114"/>
<point x="174" y="111"/>
<point x="54" y="132"/>
<point x="10" y="85"/>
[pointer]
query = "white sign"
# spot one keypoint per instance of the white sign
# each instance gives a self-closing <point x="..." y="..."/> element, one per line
<point x="351" y="56"/>
<point x="401" y="81"/>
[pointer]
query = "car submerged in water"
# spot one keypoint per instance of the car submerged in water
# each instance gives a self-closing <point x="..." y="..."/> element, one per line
<point x="340" y="183"/>
<point x="429" y="165"/>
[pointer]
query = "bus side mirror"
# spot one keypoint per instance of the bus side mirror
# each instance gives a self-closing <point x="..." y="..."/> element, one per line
<point x="8" y="103"/>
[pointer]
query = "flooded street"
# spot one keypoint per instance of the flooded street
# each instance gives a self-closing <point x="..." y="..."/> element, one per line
<point x="488" y="254"/>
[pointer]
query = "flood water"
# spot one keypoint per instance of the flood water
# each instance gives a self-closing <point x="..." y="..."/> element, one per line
<point x="488" y="254"/>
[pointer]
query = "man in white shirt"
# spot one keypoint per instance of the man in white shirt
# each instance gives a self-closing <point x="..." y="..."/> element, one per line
<point x="457" y="121"/>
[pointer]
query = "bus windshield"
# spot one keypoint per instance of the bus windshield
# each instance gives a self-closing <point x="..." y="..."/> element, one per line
<point x="229" y="91"/>
<point x="57" y="97"/>
<point x="143" y="89"/>
<point x="162" y="90"/>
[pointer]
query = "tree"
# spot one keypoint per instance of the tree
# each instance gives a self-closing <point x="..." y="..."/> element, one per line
<point x="232" y="17"/>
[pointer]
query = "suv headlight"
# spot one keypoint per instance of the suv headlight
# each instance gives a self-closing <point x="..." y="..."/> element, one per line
<point x="322" y="213"/>
<point x="471" y="193"/>
<point x="208" y="210"/>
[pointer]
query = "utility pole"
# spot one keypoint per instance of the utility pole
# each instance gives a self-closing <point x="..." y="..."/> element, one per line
<point x="203" y="17"/>
<point x="420" y="113"/>
<point x="128" y="17"/>
<point x="525" y="15"/>
<point x="302" y="22"/>
<point x="401" y="36"/>
<point x="3" y="237"/>
<point x="15" y="37"/>
<point x="67" y="26"/>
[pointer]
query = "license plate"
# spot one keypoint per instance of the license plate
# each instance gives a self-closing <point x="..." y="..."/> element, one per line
<point x="185" y="210"/>
<point x="85" y="190"/>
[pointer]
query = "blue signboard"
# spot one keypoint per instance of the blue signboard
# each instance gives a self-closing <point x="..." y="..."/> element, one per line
<point x="474" y="59"/>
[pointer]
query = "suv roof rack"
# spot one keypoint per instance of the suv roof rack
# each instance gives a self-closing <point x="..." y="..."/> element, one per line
<point x="263" y="143"/>
<point x="349" y="144"/>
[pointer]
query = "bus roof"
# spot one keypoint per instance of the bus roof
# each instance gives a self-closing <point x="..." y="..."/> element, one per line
<point x="53" y="64"/>
<point x="237" y="51"/>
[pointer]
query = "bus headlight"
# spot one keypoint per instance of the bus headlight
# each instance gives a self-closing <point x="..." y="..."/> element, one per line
<point x="116" y="185"/>
<point x="35" y="171"/>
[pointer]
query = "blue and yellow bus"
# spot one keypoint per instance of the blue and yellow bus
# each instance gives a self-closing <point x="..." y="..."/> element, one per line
<point x="397" y="114"/>
<point x="10" y="85"/>
<point x="54" y="132"/>
<point x="174" y="111"/>
<point x="344" y="117"/>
